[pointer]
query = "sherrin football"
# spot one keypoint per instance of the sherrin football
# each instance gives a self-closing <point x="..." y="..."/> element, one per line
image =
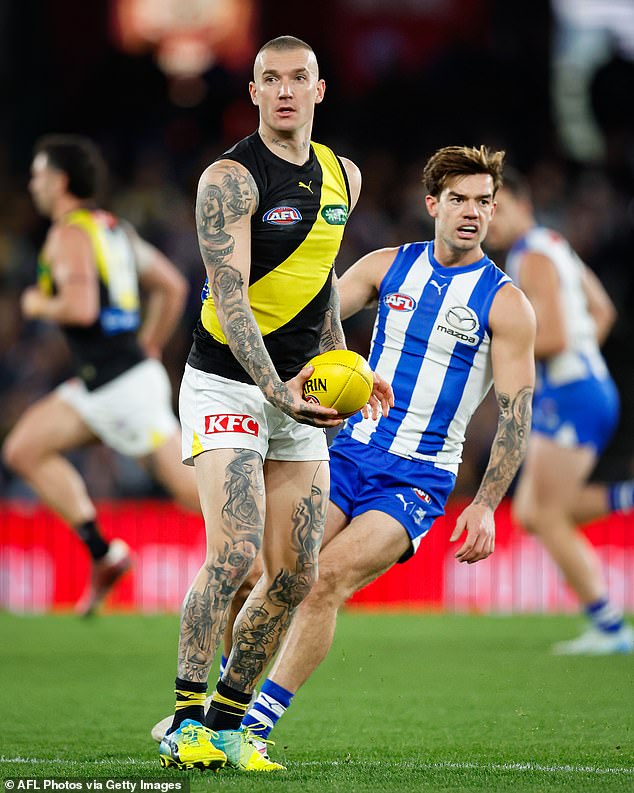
<point x="342" y="379"/>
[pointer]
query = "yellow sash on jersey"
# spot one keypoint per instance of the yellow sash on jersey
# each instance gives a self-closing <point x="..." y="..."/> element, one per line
<point x="281" y="294"/>
<point x="83" y="219"/>
<point x="116" y="271"/>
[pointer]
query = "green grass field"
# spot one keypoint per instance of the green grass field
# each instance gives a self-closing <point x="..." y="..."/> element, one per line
<point x="404" y="702"/>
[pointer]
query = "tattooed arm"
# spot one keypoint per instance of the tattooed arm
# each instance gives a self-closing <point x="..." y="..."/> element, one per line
<point x="227" y="198"/>
<point x="512" y="322"/>
<point x="332" y="337"/>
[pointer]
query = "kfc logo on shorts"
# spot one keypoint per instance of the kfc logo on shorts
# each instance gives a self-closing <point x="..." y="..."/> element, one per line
<point x="422" y="495"/>
<point x="231" y="422"/>
<point x="399" y="302"/>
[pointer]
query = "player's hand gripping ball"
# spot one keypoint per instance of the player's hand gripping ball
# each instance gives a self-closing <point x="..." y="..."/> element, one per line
<point x="342" y="379"/>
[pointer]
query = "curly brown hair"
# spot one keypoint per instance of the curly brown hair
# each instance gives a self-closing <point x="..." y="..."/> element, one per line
<point x="452" y="161"/>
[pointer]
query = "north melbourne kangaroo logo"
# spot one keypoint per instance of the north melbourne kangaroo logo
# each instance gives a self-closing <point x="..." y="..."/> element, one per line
<point x="438" y="286"/>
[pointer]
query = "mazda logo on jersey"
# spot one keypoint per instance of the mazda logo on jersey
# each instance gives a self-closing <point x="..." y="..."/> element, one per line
<point x="397" y="301"/>
<point x="462" y="324"/>
<point x="282" y="216"/>
<point x="462" y="318"/>
<point x="231" y="422"/>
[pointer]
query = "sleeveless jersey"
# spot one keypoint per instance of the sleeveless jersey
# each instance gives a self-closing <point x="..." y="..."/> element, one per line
<point x="582" y="358"/>
<point x="432" y="342"/>
<point x="296" y="232"/>
<point x="108" y="347"/>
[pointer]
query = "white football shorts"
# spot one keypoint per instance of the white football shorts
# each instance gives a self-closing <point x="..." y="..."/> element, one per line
<point x="218" y="413"/>
<point x="131" y="414"/>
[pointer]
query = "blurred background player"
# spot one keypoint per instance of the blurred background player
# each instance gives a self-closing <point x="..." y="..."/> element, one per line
<point x="89" y="273"/>
<point x="575" y="411"/>
<point x="449" y="325"/>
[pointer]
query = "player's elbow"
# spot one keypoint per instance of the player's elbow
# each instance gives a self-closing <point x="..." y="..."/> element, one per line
<point x="175" y="289"/>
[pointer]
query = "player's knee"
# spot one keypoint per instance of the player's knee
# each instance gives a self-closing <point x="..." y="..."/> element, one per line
<point x="530" y="517"/>
<point x="231" y="569"/>
<point x="291" y="587"/>
<point x="333" y="586"/>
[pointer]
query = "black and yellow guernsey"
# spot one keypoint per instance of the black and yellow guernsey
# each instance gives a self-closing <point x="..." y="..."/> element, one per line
<point x="296" y="232"/>
<point x="108" y="347"/>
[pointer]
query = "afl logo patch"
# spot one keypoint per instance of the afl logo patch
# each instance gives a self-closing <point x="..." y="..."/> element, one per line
<point x="422" y="495"/>
<point x="282" y="216"/>
<point x="398" y="301"/>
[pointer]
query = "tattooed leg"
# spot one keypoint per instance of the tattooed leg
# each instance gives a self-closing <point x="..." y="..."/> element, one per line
<point x="233" y="508"/>
<point x="296" y="512"/>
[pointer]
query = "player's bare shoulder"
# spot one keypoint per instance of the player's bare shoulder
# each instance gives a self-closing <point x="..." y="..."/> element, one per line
<point x="227" y="193"/>
<point x="511" y="313"/>
<point x="227" y="198"/>
<point x="376" y="264"/>
<point x="359" y="285"/>
<point x="67" y="245"/>
<point x="353" y="175"/>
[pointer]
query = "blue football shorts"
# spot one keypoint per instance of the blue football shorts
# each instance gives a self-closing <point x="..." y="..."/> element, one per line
<point x="364" y="478"/>
<point x="583" y="413"/>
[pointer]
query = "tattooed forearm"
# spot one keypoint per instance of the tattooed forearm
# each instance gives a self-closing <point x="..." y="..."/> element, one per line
<point x="242" y="332"/>
<point x="332" y="337"/>
<point x="508" y="448"/>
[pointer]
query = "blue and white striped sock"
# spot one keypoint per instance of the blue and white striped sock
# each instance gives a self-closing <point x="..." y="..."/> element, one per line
<point x="621" y="496"/>
<point x="268" y="708"/>
<point x="604" y="616"/>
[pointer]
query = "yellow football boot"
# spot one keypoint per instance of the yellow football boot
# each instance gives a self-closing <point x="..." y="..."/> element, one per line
<point x="190" y="746"/>
<point x="242" y="751"/>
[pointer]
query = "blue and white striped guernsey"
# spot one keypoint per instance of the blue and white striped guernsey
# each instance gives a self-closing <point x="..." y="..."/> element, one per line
<point x="431" y="341"/>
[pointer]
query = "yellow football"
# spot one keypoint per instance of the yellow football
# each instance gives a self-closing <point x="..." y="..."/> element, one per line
<point x="342" y="379"/>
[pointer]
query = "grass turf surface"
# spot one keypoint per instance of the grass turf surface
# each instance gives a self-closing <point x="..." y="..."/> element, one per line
<point x="404" y="702"/>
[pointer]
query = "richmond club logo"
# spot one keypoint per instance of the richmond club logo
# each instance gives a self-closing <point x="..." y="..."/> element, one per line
<point x="398" y="301"/>
<point x="282" y="216"/>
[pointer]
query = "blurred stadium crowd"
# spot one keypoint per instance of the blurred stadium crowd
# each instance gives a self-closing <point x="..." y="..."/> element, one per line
<point x="402" y="78"/>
